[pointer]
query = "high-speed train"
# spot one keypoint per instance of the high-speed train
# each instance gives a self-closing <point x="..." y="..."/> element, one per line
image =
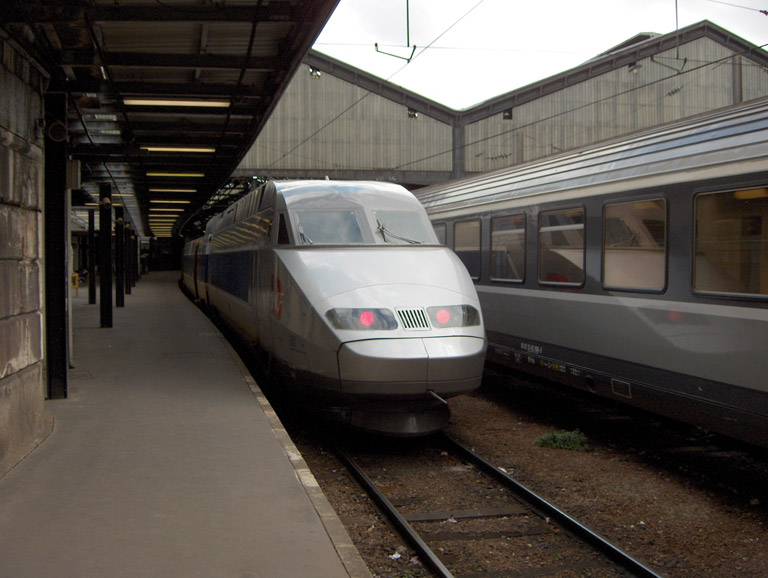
<point x="347" y="291"/>
<point x="636" y="269"/>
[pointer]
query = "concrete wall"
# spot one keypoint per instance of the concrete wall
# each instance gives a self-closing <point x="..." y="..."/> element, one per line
<point x="22" y="383"/>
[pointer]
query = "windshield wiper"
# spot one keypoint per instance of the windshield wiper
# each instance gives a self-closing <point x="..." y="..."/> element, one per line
<point x="384" y="232"/>
<point x="304" y="238"/>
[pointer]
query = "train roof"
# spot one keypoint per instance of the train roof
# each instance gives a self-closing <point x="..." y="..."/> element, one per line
<point x="731" y="141"/>
<point x="316" y="195"/>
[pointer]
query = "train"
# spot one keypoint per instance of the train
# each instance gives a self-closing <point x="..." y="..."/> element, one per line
<point x="635" y="269"/>
<point x="344" y="290"/>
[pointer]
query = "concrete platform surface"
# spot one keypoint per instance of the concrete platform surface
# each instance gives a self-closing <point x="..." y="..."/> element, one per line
<point x="165" y="461"/>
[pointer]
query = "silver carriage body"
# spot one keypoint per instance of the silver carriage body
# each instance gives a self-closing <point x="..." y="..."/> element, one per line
<point x="669" y="346"/>
<point x="389" y="380"/>
<point x="403" y="362"/>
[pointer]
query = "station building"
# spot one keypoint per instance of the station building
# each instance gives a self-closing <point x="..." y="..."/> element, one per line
<point x="339" y="122"/>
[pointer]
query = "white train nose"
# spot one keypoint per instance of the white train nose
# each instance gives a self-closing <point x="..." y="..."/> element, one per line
<point x="409" y="367"/>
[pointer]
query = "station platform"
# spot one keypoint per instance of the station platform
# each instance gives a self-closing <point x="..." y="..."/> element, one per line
<point x="165" y="461"/>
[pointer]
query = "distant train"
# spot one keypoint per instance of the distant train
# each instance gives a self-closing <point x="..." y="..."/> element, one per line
<point x="345" y="289"/>
<point x="635" y="269"/>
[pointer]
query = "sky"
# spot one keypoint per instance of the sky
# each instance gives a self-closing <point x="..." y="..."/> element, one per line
<point x="468" y="51"/>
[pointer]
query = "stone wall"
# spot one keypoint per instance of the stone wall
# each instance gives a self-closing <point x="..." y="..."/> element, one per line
<point x="22" y="375"/>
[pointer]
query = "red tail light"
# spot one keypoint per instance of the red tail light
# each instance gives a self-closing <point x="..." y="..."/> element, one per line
<point x="453" y="316"/>
<point x="367" y="318"/>
<point x="370" y="319"/>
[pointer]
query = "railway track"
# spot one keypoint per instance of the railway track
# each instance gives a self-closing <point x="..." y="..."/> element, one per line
<point x="490" y="526"/>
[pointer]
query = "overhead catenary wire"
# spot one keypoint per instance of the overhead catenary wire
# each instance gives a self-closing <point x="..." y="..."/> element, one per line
<point x="502" y="133"/>
<point x="715" y="64"/>
<point x="466" y="145"/>
<point x="388" y="79"/>
<point x="764" y="12"/>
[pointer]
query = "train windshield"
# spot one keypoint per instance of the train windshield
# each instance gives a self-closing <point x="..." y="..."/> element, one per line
<point x="328" y="227"/>
<point x="351" y="227"/>
<point x="403" y="228"/>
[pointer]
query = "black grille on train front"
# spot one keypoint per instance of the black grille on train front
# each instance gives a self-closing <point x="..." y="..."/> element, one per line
<point x="413" y="318"/>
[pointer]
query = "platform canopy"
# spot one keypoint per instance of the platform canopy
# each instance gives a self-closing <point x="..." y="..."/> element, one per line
<point x="164" y="96"/>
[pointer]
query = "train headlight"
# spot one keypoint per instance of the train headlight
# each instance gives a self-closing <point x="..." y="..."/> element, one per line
<point x="454" y="316"/>
<point x="378" y="319"/>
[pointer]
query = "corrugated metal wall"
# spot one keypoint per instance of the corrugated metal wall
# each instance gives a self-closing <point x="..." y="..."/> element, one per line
<point x="324" y="123"/>
<point x="328" y="124"/>
<point x="697" y="77"/>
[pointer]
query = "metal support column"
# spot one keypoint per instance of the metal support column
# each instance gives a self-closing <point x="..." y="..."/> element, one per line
<point x="119" y="258"/>
<point x="458" y="160"/>
<point x="56" y="244"/>
<point x="128" y="260"/>
<point x="105" y="253"/>
<point x="91" y="257"/>
<point x="134" y="259"/>
<point x="738" y="81"/>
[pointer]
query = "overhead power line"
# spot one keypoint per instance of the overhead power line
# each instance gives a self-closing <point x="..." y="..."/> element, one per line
<point x="359" y="100"/>
<point x="765" y="12"/>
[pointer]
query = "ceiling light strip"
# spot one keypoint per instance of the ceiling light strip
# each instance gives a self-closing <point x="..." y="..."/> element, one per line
<point x="172" y="191"/>
<point x="161" y="149"/>
<point x="182" y="175"/>
<point x="174" y="102"/>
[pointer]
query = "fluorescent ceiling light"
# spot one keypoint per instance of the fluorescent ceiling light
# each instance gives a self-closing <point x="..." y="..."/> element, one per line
<point x="167" y="209"/>
<point x="190" y="175"/>
<point x="174" y="102"/>
<point x="172" y="191"/>
<point x="168" y="201"/>
<point x="158" y="149"/>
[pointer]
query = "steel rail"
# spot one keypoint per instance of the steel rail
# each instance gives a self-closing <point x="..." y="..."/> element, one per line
<point x="406" y="530"/>
<point x="547" y="510"/>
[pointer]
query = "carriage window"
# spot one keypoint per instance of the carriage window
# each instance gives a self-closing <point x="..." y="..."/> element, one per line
<point x="440" y="231"/>
<point x="634" y="245"/>
<point x="466" y="244"/>
<point x="402" y="227"/>
<point x="282" y="231"/>
<point x="508" y="248"/>
<point x="732" y="242"/>
<point x="322" y="227"/>
<point x="561" y="247"/>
